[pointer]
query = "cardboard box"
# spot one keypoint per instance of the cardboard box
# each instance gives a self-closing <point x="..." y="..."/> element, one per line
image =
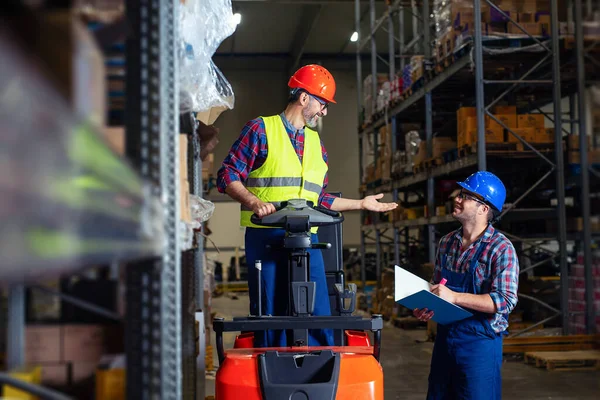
<point x="83" y="343"/>
<point x="544" y="135"/>
<point x="494" y="132"/>
<point x="573" y="142"/>
<point x="510" y="120"/>
<point x="528" y="134"/>
<point x="209" y="117"/>
<point x="56" y="374"/>
<point x="43" y="344"/>
<point x="69" y="54"/>
<point x="531" y="28"/>
<point x="462" y="119"/>
<point x="530" y="121"/>
<point x="442" y="144"/>
<point x="416" y="63"/>
<point x="184" y="201"/>
<point x="110" y="384"/>
<point x="183" y="157"/>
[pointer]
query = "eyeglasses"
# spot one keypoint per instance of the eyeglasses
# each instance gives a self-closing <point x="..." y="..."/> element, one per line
<point x="323" y="103"/>
<point x="466" y="196"/>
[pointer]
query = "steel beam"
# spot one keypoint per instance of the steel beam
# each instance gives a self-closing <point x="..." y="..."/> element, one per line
<point x="585" y="173"/>
<point x="559" y="169"/>
<point x="15" y="350"/>
<point x="479" y="93"/>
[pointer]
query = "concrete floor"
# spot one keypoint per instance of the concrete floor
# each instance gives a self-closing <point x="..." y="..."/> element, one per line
<point x="405" y="360"/>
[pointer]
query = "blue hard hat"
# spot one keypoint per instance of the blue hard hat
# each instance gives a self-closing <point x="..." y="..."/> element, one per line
<point x="488" y="186"/>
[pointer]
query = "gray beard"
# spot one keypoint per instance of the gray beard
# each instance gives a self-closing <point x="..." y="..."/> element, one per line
<point x="311" y="120"/>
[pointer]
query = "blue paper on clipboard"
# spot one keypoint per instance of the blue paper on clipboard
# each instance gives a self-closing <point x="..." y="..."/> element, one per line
<point x="414" y="292"/>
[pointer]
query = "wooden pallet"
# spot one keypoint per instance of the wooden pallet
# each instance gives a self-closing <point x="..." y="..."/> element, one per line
<point x="433" y="162"/>
<point x="524" y="344"/>
<point x="591" y="42"/>
<point x="565" y="360"/>
<point x="541" y="147"/>
<point x="417" y="168"/>
<point x="450" y="155"/>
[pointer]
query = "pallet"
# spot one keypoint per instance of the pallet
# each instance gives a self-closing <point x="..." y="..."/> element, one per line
<point x="591" y="42"/>
<point x="521" y="344"/>
<point x="418" y="84"/>
<point x="418" y="168"/>
<point x="565" y="360"/>
<point x="450" y="155"/>
<point x="433" y="162"/>
<point x="541" y="147"/>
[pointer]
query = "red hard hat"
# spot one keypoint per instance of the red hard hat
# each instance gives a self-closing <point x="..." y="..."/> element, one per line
<point x="316" y="80"/>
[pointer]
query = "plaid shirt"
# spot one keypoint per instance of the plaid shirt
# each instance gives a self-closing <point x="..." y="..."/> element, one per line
<point x="497" y="270"/>
<point x="249" y="152"/>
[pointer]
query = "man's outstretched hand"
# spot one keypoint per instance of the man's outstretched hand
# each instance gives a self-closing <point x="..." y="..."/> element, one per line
<point x="370" y="203"/>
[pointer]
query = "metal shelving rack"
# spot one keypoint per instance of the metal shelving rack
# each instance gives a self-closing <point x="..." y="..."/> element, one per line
<point x="544" y="74"/>
<point x="163" y="282"/>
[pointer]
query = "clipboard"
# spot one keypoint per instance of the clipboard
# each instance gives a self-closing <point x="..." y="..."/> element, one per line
<point x="413" y="292"/>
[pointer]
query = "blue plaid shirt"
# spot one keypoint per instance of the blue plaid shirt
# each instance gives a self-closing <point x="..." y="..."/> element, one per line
<point x="497" y="270"/>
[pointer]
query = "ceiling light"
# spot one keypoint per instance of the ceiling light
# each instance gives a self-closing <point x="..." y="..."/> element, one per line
<point x="354" y="37"/>
<point x="237" y="18"/>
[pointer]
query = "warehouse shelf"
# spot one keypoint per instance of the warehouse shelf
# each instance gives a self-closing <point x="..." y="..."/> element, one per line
<point x="528" y="72"/>
<point x="71" y="200"/>
<point x="72" y="203"/>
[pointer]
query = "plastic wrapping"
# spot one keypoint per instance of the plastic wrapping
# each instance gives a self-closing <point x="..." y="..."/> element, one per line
<point x="68" y="201"/>
<point x="202" y="209"/>
<point x="199" y="76"/>
<point x="187" y="234"/>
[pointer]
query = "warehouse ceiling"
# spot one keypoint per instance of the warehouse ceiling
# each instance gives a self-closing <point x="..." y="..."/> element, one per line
<point x="298" y="30"/>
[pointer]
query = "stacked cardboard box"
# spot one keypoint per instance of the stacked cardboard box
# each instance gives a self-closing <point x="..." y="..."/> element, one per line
<point x="577" y="295"/>
<point x="574" y="151"/>
<point x="530" y="127"/>
<point x="68" y="353"/>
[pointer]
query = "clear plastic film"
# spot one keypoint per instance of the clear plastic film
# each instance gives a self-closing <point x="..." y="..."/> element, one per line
<point x="202" y="210"/>
<point x="67" y="200"/>
<point x="204" y="25"/>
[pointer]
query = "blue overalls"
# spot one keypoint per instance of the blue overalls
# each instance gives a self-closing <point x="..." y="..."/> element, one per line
<point x="275" y="284"/>
<point x="467" y="355"/>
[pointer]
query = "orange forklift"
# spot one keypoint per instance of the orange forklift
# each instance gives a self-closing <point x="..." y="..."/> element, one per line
<point x="348" y="370"/>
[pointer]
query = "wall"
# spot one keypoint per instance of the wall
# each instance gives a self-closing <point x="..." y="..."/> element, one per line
<point x="264" y="93"/>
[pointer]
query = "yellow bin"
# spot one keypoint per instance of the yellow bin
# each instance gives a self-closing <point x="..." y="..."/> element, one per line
<point x="29" y="374"/>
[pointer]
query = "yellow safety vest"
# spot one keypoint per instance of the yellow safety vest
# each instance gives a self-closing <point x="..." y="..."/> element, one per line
<point x="282" y="177"/>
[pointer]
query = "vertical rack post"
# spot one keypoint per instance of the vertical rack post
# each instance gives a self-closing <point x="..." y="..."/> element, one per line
<point x="429" y="135"/>
<point x="195" y="173"/>
<point x="15" y="345"/>
<point x="479" y="94"/>
<point x="153" y="329"/>
<point x="560" y="177"/>
<point x="585" y="173"/>
<point x="360" y="95"/>
<point x="393" y="124"/>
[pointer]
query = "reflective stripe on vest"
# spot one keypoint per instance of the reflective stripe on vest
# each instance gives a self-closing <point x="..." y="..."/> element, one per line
<point x="282" y="176"/>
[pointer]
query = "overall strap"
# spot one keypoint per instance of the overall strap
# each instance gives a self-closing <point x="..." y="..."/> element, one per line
<point x="474" y="260"/>
<point x="445" y="255"/>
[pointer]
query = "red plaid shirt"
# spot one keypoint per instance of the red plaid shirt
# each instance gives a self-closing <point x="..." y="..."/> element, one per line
<point x="497" y="270"/>
<point x="249" y="152"/>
